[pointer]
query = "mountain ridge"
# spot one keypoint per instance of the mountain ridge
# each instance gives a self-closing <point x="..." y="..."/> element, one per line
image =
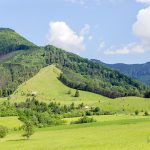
<point x="139" y="72"/>
<point x="77" y="72"/>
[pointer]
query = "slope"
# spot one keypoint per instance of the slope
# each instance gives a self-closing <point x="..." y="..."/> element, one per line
<point x="11" y="41"/>
<point x="46" y="87"/>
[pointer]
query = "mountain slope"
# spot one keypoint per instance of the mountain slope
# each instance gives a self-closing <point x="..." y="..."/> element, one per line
<point x="77" y="72"/>
<point x="140" y="72"/>
<point x="11" y="41"/>
<point x="86" y="75"/>
<point x="46" y="86"/>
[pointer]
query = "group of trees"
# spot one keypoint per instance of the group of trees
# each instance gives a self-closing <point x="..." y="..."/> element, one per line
<point x="86" y="75"/>
<point x="41" y="114"/>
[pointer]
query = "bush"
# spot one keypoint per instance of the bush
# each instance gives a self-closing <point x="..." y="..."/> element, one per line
<point x="84" y="120"/>
<point x="97" y="109"/>
<point x="28" y="129"/>
<point x="69" y="92"/>
<point x="147" y="94"/>
<point x="136" y="112"/>
<point x="146" y="113"/>
<point x="77" y="94"/>
<point x="3" y="131"/>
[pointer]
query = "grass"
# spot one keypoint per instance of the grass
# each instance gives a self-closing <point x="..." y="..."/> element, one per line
<point x="112" y="132"/>
<point x="49" y="88"/>
<point x="115" y="134"/>
<point x="10" y="122"/>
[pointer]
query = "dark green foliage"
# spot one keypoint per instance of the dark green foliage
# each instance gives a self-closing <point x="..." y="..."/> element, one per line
<point x="136" y="112"/>
<point x="147" y="94"/>
<point x="84" y="119"/>
<point x="140" y="72"/>
<point x="6" y="109"/>
<point x="77" y="94"/>
<point x="28" y="129"/>
<point x="41" y="114"/>
<point x="18" y="68"/>
<point x="10" y="41"/>
<point x="3" y="131"/>
<point x="69" y="92"/>
<point x="146" y="113"/>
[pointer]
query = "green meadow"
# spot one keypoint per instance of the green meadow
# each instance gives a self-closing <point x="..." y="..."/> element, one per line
<point x="48" y="88"/>
<point x="121" y="131"/>
<point x="109" y="132"/>
<point x="10" y="122"/>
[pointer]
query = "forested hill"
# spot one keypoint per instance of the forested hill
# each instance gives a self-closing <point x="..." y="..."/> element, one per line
<point x="77" y="72"/>
<point x="140" y="72"/>
<point x="11" y="41"/>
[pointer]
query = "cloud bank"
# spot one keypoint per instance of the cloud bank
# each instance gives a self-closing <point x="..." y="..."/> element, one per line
<point x="62" y="36"/>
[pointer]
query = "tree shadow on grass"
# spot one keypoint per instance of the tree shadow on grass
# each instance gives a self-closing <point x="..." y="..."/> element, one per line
<point x="17" y="140"/>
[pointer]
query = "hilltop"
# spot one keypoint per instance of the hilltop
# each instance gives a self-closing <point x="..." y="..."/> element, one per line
<point x="11" y="41"/>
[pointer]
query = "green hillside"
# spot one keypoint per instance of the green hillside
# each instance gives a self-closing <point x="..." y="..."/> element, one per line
<point x="11" y="41"/>
<point x="48" y="87"/>
<point x="17" y="67"/>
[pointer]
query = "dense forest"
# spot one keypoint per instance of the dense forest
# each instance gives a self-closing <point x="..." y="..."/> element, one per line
<point x="77" y="72"/>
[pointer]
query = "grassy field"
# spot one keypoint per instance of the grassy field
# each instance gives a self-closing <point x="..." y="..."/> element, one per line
<point x="10" y="122"/>
<point x="48" y="88"/>
<point x="110" y="132"/>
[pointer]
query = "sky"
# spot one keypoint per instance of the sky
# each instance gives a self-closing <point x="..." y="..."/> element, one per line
<point x="113" y="31"/>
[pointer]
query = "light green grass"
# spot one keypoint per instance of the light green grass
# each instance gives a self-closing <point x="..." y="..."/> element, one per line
<point x="10" y="122"/>
<point x="104" y="118"/>
<point x="122" y="134"/>
<point x="49" y="88"/>
<point x="125" y="105"/>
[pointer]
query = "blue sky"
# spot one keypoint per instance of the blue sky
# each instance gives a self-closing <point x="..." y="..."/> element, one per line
<point x="109" y="30"/>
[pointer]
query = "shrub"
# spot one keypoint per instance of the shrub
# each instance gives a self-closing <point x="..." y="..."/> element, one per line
<point x="146" y="113"/>
<point x="147" y="94"/>
<point x="28" y="129"/>
<point x="3" y="131"/>
<point x="69" y="92"/>
<point x="136" y="112"/>
<point x="84" y="119"/>
<point x="77" y="94"/>
<point x="97" y="109"/>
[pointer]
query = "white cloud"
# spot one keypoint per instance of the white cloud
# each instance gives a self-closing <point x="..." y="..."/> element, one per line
<point x="124" y="50"/>
<point x="62" y="36"/>
<point x="141" y="27"/>
<point x="144" y="1"/>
